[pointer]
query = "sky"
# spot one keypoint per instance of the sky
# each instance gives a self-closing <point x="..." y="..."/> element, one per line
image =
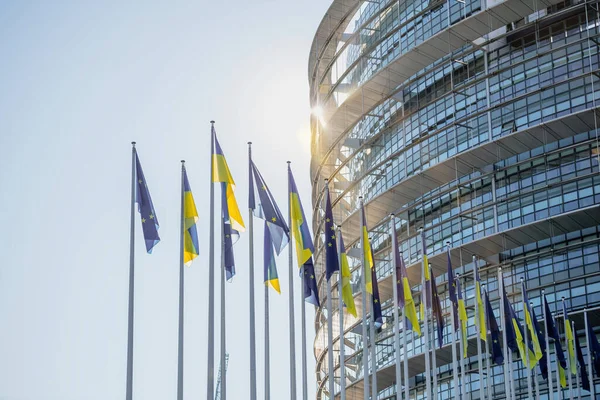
<point x="79" y="81"/>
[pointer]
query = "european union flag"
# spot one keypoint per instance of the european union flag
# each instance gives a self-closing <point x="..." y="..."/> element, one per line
<point x="270" y="270"/>
<point x="332" y="263"/>
<point x="542" y="341"/>
<point x="594" y="349"/>
<point x="267" y="209"/>
<point x="145" y="208"/>
<point x="376" y="300"/>
<point x="585" y="381"/>
<point x="515" y="334"/>
<point x="311" y="291"/>
<point x="497" y="356"/>
<point x="228" y="235"/>
<point x="437" y="309"/>
<point x="553" y="333"/>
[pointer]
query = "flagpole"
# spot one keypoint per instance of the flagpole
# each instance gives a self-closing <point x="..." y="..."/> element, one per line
<point x="329" y="321"/>
<point x="425" y="301"/>
<point x="129" y="385"/>
<point x="547" y="340"/>
<point x="210" y="369"/>
<point x="404" y="348"/>
<point x="453" y="317"/>
<point x="567" y="347"/>
<point x="589" y="355"/>
<point x="558" y="385"/>
<point x="372" y="336"/>
<point x="341" y="312"/>
<point x="267" y="346"/>
<point x="488" y="387"/>
<point x="433" y="341"/>
<point x="526" y="333"/>
<point x="461" y="347"/>
<point x="291" y="305"/>
<point x="365" y="337"/>
<point x="478" y="326"/>
<point x="223" y="325"/>
<point x="513" y="383"/>
<point x="577" y="377"/>
<point x="396" y="282"/>
<point x="504" y="340"/>
<point x="303" y="333"/>
<point x="251" y="289"/>
<point x="180" y="336"/>
<point x="535" y="373"/>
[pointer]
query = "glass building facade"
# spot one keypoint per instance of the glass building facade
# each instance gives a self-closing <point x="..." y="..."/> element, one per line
<point x="476" y="120"/>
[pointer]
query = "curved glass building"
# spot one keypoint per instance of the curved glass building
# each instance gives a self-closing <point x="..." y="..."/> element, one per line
<point x="476" y="120"/>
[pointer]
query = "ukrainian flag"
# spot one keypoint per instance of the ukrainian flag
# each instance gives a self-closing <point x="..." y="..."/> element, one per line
<point x="190" y="217"/>
<point x="347" y="295"/>
<point x="462" y="316"/>
<point x="570" y="341"/>
<point x="553" y="333"/>
<point x="221" y="173"/>
<point x="410" y="310"/>
<point x="533" y="334"/>
<point x="304" y="243"/>
<point x="368" y="254"/>
<point x="271" y="277"/>
<point x="479" y="300"/>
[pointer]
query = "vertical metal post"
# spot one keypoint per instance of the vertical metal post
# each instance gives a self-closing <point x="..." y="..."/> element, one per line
<point x="223" y="324"/>
<point x="396" y="315"/>
<point x="547" y="340"/>
<point x="453" y="316"/>
<point x="526" y="333"/>
<point x="589" y="356"/>
<point x="365" y="337"/>
<point x="487" y="346"/>
<point x="535" y="374"/>
<point x="567" y="347"/>
<point x="210" y="359"/>
<point x="291" y="303"/>
<point x="180" y="336"/>
<point x="341" y="312"/>
<point x="129" y="385"/>
<point x="462" y="348"/>
<point x="267" y="347"/>
<point x="478" y="326"/>
<point x="577" y="378"/>
<point x="425" y="302"/>
<point x="251" y="304"/>
<point x="372" y="331"/>
<point x="505" y="351"/>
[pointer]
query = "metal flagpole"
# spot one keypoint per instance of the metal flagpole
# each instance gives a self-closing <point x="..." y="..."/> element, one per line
<point x="404" y="347"/>
<point x="180" y="337"/>
<point x="251" y="289"/>
<point x="373" y="344"/>
<point x="512" y="381"/>
<point x="395" y="313"/>
<point x="488" y="386"/>
<point x="461" y="346"/>
<point x="433" y="342"/>
<point x="478" y="328"/>
<point x="303" y="334"/>
<point x="291" y="305"/>
<point x="341" y="312"/>
<point x="453" y="317"/>
<point x="223" y="325"/>
<point x="210" y="369"/>
<point x="535" y="373"/>
<point x="526" y="333"/>
<point x="558" y="385"/>
<point x="330" y="339"/>
<point x="568" y="354"/>
<point x="504" y="340"/>
<point x="267" y="347"/>
<point x="129" y="385"/>
<point x="365" y="337"/>
<point x="425" y="301"/>
<point x="589" y="355"/>
<point x="577" y="377"/>
<point x="547" y="340"/>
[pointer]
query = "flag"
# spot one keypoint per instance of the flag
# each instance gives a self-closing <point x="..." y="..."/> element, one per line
<point x="542" y="341"/>
<point x="271" y="278"/>
<point x="190" y="217"/>
<point x="497" y="356"/>
<point x="221" y="173"/>
<point x="347" y="295"/>
<point x="594" y="349"/>
<point x="570" y="340"/>
<point x="515" y="334"/>
<point x="585" y="380"/>
<point x="479" y="300"/>
<point x="228" y="235"/>
<point x="332" y="263"/>
<point x="462" y="316"/>
<point x="368" y="254"/>
<point x="553" y="333"/>
<point x="304" y="244"/>
<point x="452" y="293"/>
<point x="533" y="340"/>
<point x="437" y="310"/>
<point x="145" y="208"/>
<point x="376" y="301"/>
<point x="405" y="298"/>
<point x="267" y="209"/>
<point x="426" y="290"/>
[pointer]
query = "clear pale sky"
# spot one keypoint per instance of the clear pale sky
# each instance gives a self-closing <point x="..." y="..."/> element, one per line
<point x="78" y="82"/>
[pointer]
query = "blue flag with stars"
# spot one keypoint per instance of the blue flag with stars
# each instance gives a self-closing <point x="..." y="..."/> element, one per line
<point x="311" y="291"/>
<point x="332" y="263"/>
<point x="145" y="208"/>
<point x="594" y="349"/>
<point x="492" y="324"/>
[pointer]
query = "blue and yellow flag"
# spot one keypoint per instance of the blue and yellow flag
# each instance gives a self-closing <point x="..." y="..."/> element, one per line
<point x="271" y="277"/>
<point x="515" y="335"/>
<point x="570" y="341"/>
<point x="145" y="207"/>
<point x="542" y="341"/>
<point x="267" y="209"/>
<point x="533" y="340"/>
<point x="462" y="316"/>
<point x="452" y="288"/>
<point x="410" y="310"/>
<point x="332" y="263"/>
<point x="347" y="295"/>
<point x="190" y="217"/>
<point x="304" y="243"/>
<point x="560" y="355"/>
<point x="221" y="173"/>
<point x="426" y="289"/>
<point x="230" y="235"/>
<point x="594" y="349"/>
<point x="585" y="380"/>
<point x="437" y="309"/>
<point x="497" y="356"/>
<point x="479" y="299"/>
<point x="369" y="262"/>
